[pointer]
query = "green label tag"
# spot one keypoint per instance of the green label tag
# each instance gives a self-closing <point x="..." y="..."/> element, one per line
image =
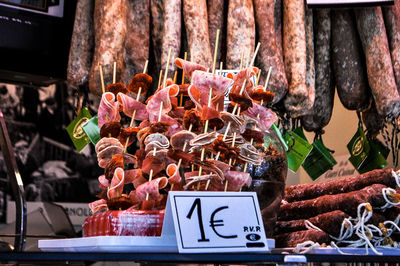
<point x="358" y="148"/>
<point x="318" y="161"/>
<point x="75" y="131"/>
<point x="300" y="148"/>
<point x="376" y="158"/>
<point x="92" y="130"/>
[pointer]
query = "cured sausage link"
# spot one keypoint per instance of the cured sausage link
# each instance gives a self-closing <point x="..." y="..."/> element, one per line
<point x="240" y="32"/>
<point x="216" y="21"/>
<point x="109" y="34"/>
<point x="346" y="202"/>
<point x="329" y="222"/>
<point x="324" y="86"/>
<point x="80" y="55"/>
<point x="343" y="185"/>
<point x="171" y="33"/>
<point x="137" y="41"/>
<point x="270" y="54"/>
<point x="288" y="240"/>
<point x="392" y="23"/>
<point x="297" y="101"/>
<point x="195" y="18"/>
<point x="348" y="61"/>
<point x="379" y="64"/>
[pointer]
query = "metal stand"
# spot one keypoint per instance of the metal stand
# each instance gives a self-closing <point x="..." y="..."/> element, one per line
<point x="16" y="186"/>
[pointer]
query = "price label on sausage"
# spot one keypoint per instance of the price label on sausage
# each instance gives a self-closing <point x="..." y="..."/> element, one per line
<point x="207" y="222"/>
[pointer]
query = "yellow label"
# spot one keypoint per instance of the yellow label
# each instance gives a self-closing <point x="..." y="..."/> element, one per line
<point x="357" y="146"/>
<point x="78" y="131"/>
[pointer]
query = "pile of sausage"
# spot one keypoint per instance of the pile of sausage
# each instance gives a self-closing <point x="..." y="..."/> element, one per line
<point x="309" y="50"/>
<point x="327" y="205"/>
<point x="191" y="145"/>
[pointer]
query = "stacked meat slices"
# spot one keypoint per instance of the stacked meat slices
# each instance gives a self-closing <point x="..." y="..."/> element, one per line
<point x="315" y="212"/>
<point x="190" y="146"/>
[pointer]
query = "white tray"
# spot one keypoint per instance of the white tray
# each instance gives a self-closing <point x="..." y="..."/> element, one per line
<point x="111" y="244"/>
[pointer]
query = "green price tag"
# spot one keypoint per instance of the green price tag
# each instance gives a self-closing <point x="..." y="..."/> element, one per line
<point x="376" y="158"/>
<point x="300" y="148"/>
<point x="318" y="161"/>
<point x="92" y="130"/>
<point x="75" y="131"/>
<point x="359" y="148"/>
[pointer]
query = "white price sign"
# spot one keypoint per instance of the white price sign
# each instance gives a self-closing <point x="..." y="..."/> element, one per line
<point x="217" y="222"/>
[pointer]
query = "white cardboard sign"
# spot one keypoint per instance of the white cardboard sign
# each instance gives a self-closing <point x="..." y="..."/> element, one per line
<point x="217" y="222"/>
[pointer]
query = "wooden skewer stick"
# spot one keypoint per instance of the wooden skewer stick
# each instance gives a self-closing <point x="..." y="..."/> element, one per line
<point x="175" y="76"/>
<point x="114" y="72"/>
<point x="102" y="79"/>
<point x="134" y="111"/>
<point x="215" y="51"/>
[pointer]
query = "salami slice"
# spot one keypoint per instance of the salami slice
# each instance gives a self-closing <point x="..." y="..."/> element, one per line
<point x="188" y="67"/>
<point x="108" y="109"/>
<point x="109" y="35"/>
<point x="270" y="53"/>
<point x="117" y="184"/>
<point x="179" y="139"/>
<point x="80" y="53"/>
<point x="240" y="32"/>
<point x="195" y="18"/>
<point x="263" y="116"/>
<point x="348" y="62"/>
<point x="324" y="87"/>
<point x="153" y="106"/>
<point x="137" y="41"/>
<point x="98" y="205"/>
<point x="373" y="36"/>
<point x="216" y="21"/>
<point x="392" y="23"/>
<point x="130" y="105"/>
<point x="173" y="173"/>
<point x="151" y="188"/>
<point x="204" y="81"/>
<point x="171" y="33"/>
<point x="343" y="185"/>
<point x="298" y="101"/>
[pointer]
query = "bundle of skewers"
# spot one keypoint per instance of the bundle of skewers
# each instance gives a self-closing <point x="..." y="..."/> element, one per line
<point x="185" y="136"/>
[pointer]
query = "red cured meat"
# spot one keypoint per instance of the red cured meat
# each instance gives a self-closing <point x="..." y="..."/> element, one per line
<point x="154" y="163"/>
<point x="131" y="175"/>
<point x="129" y="105"/>
<point x="151" y="188"/>
<point x="209" y="113"/>
<point x="173" y="173"/>
<point x="103" y="182"/>
<point x="117" y="184"/>
<point x="240" y="77"/>
<point x="236" y="180"/>
<point x="98" y="205"/>
<point x="264" y="117"/>
<point x="179" y="139"/>
<point x="205" y="80"/>
<point x="108" y="109"/>
<point x="163" y="95"/>
<point x="188" y="67"/>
